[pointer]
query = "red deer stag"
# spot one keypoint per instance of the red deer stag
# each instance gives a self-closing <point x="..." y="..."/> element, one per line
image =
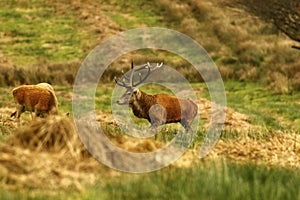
<point x="158" y="109"/>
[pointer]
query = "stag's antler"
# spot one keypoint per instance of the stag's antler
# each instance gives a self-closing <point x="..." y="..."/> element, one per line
<point x="130" y="79"/>
<point x="146" y="66"/>
<point x="122" y="82"/>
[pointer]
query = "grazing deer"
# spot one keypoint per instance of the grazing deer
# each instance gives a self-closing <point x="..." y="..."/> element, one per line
<point x="158" y="109"/>
<point x="40" y="99"/>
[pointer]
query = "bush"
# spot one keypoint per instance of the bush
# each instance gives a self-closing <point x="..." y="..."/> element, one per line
<point x="59" y="74"/>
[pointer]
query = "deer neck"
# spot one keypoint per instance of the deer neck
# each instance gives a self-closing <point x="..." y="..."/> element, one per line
<point x="141" y="104"/>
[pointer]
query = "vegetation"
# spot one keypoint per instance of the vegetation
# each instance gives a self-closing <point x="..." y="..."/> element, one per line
<point x="35" y="32"/>
<point x="209" y="180"/>
<point x="273" y="111"/>
<point x="243" y="47"/>
<point x="284" y="15"/>
<point x="205" y="181"/>
<point x="45" y="41"/>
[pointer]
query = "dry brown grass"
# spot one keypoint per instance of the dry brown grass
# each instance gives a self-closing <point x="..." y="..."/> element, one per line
<point x="278" y="149"/>
<point x="49" y="151"/>
<point x="285" y="77"/>
<point x="52" y="134"/>
<point x="58" y="73"/>
<point x="234" y="121"/>
<point x="46" y="151"/>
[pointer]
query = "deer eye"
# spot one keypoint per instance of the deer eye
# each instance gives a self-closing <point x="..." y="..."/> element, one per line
<point x="128" y="93"/>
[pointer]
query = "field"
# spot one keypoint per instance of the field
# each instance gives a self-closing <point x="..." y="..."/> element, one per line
<point x="256" y="157"/>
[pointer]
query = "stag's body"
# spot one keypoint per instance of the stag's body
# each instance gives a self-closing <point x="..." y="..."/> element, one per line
<point x="34" y="98"/>
<point x="158" y="109"/>
<point x="161" y="109"/>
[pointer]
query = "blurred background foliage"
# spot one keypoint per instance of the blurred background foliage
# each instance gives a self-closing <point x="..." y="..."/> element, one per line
<point x="46" y="41"/>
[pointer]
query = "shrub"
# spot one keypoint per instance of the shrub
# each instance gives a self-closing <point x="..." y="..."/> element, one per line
<point x="278" y="82"/>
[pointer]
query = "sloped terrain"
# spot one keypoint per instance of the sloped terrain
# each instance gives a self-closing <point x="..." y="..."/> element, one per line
<point x="49" y="150"/>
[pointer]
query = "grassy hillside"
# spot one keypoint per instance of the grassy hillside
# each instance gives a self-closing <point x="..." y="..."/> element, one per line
<point x="257" y="156"/>
<point x="243" y="47"/>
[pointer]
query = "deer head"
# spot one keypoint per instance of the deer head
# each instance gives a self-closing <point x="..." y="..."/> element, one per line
<point x="131" y="88"/>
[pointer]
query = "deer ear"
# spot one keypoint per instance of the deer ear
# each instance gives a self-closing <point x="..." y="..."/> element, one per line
<point x="135" y="91"/>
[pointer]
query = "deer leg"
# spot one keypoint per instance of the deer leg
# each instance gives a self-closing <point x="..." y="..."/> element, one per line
<point x="20" y="110"/>
<point x="186" y="122"/>
<point x="38" y="113"/>
<point x="186" y="137"/>
<point x="13" y="114"/>
<point x="157" y="115"/>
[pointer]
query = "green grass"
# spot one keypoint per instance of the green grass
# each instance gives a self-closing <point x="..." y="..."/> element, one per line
<point x="270" y="110"/>
<point x="103" y="97"/>
<point x="132" y="14"/>
<point x="65" y="103"/>
<point x="274" y="111"/>
<point x="219" y="180"/>
<point x="5" y="96"/>
<point x="35" y="32"/>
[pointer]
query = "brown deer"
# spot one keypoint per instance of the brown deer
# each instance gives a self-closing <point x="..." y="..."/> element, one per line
<point x="158" y="109"/>
<point x="40" y="99"/>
